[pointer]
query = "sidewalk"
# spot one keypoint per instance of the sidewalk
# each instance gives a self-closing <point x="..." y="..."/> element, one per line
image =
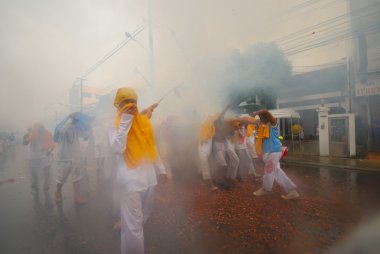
<point x="336" y="162"/>
<point x="307" y="153"/>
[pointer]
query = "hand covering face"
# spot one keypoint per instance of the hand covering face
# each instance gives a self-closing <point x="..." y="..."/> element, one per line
<point x="140" y="140"/>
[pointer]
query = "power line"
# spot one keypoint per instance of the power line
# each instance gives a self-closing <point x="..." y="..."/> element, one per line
<point x="305" y="5"/>
<point x="335" y="28"/>
<point x="336" y="34"/>
<point x="348" y="16"/>
<point x="341" y="36"/>
<point x="139" y="29"/>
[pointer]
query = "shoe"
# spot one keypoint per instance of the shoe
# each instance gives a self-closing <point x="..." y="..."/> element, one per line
<point x="213" y="188"/>
<point x="260" y="192"/>
<point x="291" y="195"/>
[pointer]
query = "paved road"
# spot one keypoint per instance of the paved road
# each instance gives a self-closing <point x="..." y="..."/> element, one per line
<point x="188" y="218"/>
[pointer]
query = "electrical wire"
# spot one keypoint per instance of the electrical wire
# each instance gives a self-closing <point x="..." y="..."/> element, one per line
<point x="138" y="30"/>
<point x="347" y="17"/>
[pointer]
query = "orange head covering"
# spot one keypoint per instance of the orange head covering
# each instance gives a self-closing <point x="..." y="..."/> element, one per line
<point x="140" y="140"/>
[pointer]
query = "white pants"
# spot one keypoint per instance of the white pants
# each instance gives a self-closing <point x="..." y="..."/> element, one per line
<point x="204" y="166"/>
<point x="65" y="168"/>
<point x="233" y="164"/>
<point x="204" y="154"/>
<point x="37" y="166"/>
<point x="273" y="172"/>
<point x="135" y="208"/>
<point x="252" y="149"/>
<point x="246" y="162"/>
<point x="220" y="154"/>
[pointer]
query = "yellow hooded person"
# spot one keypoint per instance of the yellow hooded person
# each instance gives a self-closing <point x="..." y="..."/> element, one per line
<point x="140" y="145"/>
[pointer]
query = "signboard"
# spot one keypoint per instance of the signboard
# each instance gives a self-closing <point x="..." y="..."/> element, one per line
<point x="372" y="87"/>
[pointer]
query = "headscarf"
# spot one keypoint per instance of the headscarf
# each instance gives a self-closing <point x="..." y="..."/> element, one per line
<point x="46" y="137"/>
<point x="262" y="133"/>
<point x="123" y="94"/>
<point x="140" y="140"/>
<point x="82" y="123"/>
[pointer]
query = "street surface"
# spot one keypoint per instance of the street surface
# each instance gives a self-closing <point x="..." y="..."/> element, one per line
<point x="187" y="217"/>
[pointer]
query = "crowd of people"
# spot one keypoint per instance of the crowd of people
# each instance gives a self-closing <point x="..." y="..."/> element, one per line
<point x="228" y="148"/>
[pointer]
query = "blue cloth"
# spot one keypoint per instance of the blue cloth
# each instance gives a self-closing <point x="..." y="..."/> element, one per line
<point x="82" y="122"/>
<point x="273" y="143"/>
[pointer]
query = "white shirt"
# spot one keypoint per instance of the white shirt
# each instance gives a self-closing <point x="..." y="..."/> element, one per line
<point x="68" y="148"/>
<point x="137" y="179"/>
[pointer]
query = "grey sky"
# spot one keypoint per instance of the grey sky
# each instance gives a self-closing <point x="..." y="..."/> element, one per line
<point x="46" y="45"/>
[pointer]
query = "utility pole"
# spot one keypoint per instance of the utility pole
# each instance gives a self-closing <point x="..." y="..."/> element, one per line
<point x="349" y="84"/>
<point x="151" y="52"/>
<point x="81" y="94"/>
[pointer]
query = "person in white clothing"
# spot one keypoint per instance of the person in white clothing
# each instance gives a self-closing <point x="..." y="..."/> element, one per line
<point x="206" y="133"/>
<point x="270" y="148"/>
<point x="69" y="157"/>
<point x="132" y="141"/>
<point x="246" y="162"/>
<point x="41" y="145"/>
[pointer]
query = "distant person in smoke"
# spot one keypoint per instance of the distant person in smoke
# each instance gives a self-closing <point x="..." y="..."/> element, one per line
<point x="41" y="146"/>
<point x="224" y="157"/>
<point x="241" y="147"/>
<point x="207" y="131"/>
<point x="165" y="141"/>
<point x="69" y="156"/>
<point x="132" y="140"/>
<point x="251" y="141"/>
<point x="269" y="146"/>
<point x="376" y="132"/>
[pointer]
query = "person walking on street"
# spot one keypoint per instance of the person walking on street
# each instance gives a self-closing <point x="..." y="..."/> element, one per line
<point x="241" y="147"/>
<point x="41" y="145"/>
<point x="207" y="131"/>
<point x="224" y="159"/>
<point x="132" y="140"/>
<point x="69" y="157"/>
<point x="269" y="145"/>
